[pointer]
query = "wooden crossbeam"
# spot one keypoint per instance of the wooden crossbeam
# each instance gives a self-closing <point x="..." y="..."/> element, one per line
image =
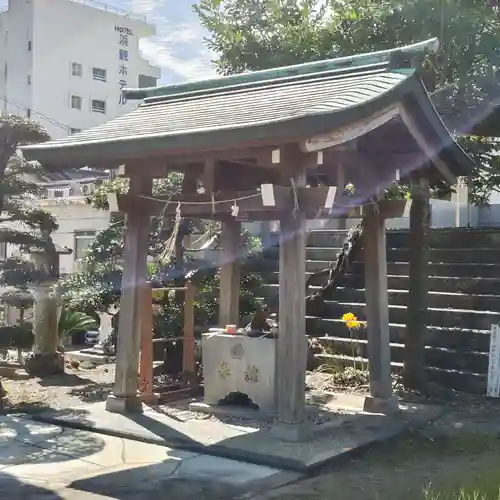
<point x="313" y="203"/>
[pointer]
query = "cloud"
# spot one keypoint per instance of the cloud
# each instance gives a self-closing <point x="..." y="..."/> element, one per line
<point x="178" y="46"/>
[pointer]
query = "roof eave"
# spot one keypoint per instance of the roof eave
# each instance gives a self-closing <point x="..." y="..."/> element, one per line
<point x="463" y="164"/>
<point x="107" y="153"/>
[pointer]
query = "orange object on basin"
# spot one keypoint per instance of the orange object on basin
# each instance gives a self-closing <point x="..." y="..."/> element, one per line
<point x="231" y="329"/>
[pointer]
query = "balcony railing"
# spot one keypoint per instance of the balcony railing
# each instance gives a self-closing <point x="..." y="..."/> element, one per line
<point x="110" y="8"/>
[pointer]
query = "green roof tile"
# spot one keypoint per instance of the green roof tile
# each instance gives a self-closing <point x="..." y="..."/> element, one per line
<point x="341" y="63"/>
<point x="271" y="106"/>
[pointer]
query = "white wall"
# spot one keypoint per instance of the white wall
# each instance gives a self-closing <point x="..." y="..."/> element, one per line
<point x="63" y="32"/>
<point x="16" y="61"/>
<point x="73" y="214"/>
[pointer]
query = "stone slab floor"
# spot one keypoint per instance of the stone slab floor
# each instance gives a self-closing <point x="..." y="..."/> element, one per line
<point x="43" y="461"/>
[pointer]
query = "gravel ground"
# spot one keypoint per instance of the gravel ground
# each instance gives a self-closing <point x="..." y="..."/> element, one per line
<point x="76" y="387"/>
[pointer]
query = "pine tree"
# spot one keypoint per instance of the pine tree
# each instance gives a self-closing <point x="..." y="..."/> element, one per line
<point x="23" y="227"/>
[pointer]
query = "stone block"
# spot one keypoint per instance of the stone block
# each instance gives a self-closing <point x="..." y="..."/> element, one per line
<point x="236" y="363"/>
<point x="127" y="404"/>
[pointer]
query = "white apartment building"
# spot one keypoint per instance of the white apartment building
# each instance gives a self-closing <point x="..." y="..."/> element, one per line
<point x="63" y="194"/>
<point x="63" y="63"/>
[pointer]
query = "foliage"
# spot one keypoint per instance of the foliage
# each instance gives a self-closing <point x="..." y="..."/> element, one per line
<point x="98" y="288"/>
<point x="73" y="322"/>
<point x="21" y="224"/>
<point x="248" y="35"/>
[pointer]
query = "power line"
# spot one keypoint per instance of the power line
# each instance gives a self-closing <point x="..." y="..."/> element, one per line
<point x="41" y="115"/>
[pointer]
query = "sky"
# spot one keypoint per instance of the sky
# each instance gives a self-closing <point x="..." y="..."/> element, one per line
<point x="178" y="47"/>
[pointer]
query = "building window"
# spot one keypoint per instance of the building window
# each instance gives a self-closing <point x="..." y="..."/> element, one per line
<point x="76" y="69"/>
<point x="83" y="240"/>
<point x="98" y="106"/>
<point x="99" y="74"/>
<point x="30" y="46"/>
<point x="75" y="130"/>
<point x="76" y="102"/>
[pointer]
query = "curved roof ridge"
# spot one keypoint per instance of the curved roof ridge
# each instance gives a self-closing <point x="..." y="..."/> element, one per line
<point x="276" y="82"/>
<point x="429" y="46"/>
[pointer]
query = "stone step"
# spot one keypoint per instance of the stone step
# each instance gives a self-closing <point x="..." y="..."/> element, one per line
<point x="487" y="302"/>
<point x="437" y="357"/>
<point x="448" y="284"/>
<point x="438" y="238"/>
<point x="436" y="255"/>
<point x="459" y="380"/>
<point x="472" y="270"/>
<point x="450" y="238"/>
<point x="437" y="336"/>
<point x="456" y="270"/>
<point x="463" y="318"/>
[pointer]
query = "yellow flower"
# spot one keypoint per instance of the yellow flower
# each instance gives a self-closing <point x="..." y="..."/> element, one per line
<point x="351" y="321"/>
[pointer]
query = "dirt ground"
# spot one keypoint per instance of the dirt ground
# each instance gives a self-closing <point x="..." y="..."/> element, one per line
<point x="76" y="387"/>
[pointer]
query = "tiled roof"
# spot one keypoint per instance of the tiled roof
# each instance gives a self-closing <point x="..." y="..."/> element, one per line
<point x="264" y="106"/>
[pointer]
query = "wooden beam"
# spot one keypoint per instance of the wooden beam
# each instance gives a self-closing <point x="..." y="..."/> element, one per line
<point x="354" y="160"/>
<point x="188" y="346"/>
<point x="427" y="148"/>
<point x="288" y="155"/>
<point x="229" y="300"/>
<point x="311" y="203"/>
<point x="124" y="397"/>
<point x="377" y="311"/>
<point x="182" y="161"/>
<point x="248" y="201"/>
<point x="146" y="346"/>
<point x="350" y="131"/>
<point x="208" y="177"/>
<point x="292" y="342"/>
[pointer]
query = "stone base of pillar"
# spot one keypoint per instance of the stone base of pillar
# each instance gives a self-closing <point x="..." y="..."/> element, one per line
<point x="44" y="365"/>
<point x="149" y="398"/>
<point x="292" y="432"/>
<point x="129" y="404"/>
<point x="378" y="405"/>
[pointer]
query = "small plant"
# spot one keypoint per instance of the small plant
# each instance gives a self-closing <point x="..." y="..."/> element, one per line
<point x="353" y="323"/>
<point x="71" y="322"/>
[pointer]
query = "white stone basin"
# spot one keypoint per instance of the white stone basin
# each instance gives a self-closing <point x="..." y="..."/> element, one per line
<point x="236" y="363"/>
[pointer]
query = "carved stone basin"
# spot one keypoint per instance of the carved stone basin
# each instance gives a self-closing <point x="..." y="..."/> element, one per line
<point x="236" y="363"/>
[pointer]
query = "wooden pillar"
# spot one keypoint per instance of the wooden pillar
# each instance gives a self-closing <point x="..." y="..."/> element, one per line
<point x="188" y="346"/>
<point x="377" y="312"/>
<point x="341" y="222"/>
<point x="292" y="343"/>
<point x="146" y="347"/>
<point x="229" y="303"/>
<point x="125" y="395"/>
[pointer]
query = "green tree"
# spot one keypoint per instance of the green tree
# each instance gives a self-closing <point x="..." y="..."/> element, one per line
<point x="98" y="288"/>
<point x="248" y="35"/>
<point x="22" y="226"/>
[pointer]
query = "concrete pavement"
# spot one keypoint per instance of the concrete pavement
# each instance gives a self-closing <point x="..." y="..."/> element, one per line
<point x="43" y="461"/>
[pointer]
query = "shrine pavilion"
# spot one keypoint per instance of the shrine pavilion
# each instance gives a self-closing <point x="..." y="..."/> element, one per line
<point x="283" y="143"/>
